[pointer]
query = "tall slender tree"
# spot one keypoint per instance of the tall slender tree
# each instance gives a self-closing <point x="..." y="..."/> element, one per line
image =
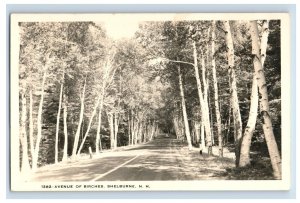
<point x="65" y="114"/>
<point x="57" y="121"/>
<point x="39" y="116"/>
<point x="25" y="167"/>
<point x="185" y="119"/>
<point x="249" y="130"/>
<point x="203" y="104"/>
<point x="233" y="88"/>
<point x="76" y="138"/>
<point x="264" y="102"/>
<point x="216" y="91"/>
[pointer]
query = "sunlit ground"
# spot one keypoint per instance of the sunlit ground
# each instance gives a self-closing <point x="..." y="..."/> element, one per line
<point x="161" y="159"/>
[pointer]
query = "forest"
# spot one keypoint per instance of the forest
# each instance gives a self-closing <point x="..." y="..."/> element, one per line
<point x="214" y="84"/>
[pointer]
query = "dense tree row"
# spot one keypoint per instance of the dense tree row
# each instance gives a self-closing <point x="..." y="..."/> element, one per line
<point x="210" y="65"/>
<point x="212" y="83"/>
<point x="79" y="89"/>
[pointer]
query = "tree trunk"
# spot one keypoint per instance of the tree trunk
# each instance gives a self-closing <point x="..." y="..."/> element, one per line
<point x="202" y="137"/>
<point x="197" y="131"/>
<point x="143" y="128"/>
<point x="138" y="131"/>
<point x="76" y="139"/>
<point x="132" y="128"/>
<point x="203" y="104"/>
<point x="177" y="122"/>
<point x="228" y="123"/>
<point x="210" y="117"/>
<point x="111" y="129"/>
<point x="57" y="122"/>
<point x="98" y="136"/>
<point x="176" y="126"/>
<point x="264" y="41"/>
<point x="246" y="143"/>
<point x="193" y="134"/>
<point x="129" y="128"/>
<point x="25" y="167"/>
<point x="154" y="127"/>
<point x="264" y="103"/>
<point x="204" y="80"/>
<point x="216" y="94"/>
<point x="116" y="129"/>
<point x="90" y="124"/>
<point x="234" y="97"/>
<point x="65" y="106"/>
<point x="142" y="132"/>
<point x="135" y="133"/>
<point x="206" y="87"/>
<point x="31" y="123"/>
<point x="39" y="126"/>
<point x="146" y="132"/>
<point x="185" y="119"/>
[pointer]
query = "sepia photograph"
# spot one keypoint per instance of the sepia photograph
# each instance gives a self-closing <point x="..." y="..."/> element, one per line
<point x="150" y="102"/>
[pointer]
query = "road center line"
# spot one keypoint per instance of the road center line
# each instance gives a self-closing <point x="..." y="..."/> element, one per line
<point x="114" y="169"/>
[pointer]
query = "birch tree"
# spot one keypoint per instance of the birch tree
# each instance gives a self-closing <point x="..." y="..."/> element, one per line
<point x="216" y="94"/>
<point x="107" y="76"/>
<point x="65" y="114"/>
<point x="57" y="121"/>
<point x="264" y="101"/>
<point x="31" y="139"/>
<point x="233" y="88"/>
<point x="203" y="104"/>
<point x="246" y="143"/>
<point x="185" y="119"/>
<point x="87" y="36"/>
<point x="25" y="167"/>
<point x="76" y="138"/>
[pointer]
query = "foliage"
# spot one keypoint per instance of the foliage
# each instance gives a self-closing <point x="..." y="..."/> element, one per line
<point x="138" y="81"/>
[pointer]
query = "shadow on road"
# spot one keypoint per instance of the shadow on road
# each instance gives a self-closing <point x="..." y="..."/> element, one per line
<point x="164" y="158"/>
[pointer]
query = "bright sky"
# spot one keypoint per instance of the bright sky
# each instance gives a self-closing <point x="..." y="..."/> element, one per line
<point x="119" y="27"/>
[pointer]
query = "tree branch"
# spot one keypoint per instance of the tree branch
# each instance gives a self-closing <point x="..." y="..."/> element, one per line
<point x="220" y="28"/>
<point x="175" y="61"/>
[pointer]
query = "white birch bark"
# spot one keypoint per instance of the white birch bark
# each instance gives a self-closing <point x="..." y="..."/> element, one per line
<point x="246" y="143"/>
<point x="234" y="97"/>
<point x="65" y="114"/>
<point x="136" y="129"/>
<point x="89" y="125"/>
<point x="25" y="167"/>
<point x="76" y="138"/>
<point x="98" y="136"/>
<point x="57" y="122"/>
<point x="197" y="131"/>
<point x="31" y="123"/>
<point x="129" y="128"/>
<point x="39" y="125"/>
<point x="203" y="104"/>
<point x="111" y="129"/>
<point x="185" y="119"/>
<point x="116" y="129"/>
<point x="202" y="137"/>
<point x="132" y="128"/>
<point x="264" y="103"/>
<point x="216" y="93"/>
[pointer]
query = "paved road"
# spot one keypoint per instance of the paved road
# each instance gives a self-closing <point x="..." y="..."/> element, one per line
<point x="164" y="158"/>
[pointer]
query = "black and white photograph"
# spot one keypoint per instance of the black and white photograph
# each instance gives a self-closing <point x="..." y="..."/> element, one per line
<point x="150" y="102"/>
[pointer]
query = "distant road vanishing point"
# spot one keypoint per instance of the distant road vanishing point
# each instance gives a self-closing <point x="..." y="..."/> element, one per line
<point x="164" y="158"/>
